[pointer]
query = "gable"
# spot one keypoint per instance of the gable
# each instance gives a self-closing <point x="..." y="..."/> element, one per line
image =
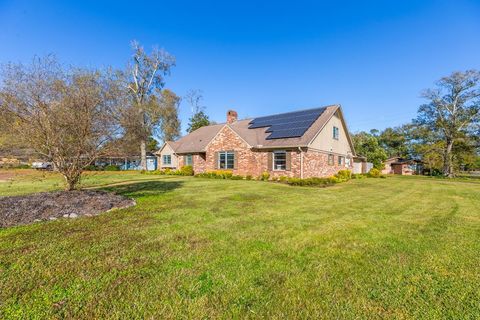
<point x="227" y="139"/>
<point x="325" y="141"/>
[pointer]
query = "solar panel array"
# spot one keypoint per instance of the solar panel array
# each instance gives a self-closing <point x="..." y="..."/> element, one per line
<point x="287" y="125"/>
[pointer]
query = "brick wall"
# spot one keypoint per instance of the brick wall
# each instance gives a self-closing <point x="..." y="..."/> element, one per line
<point x="227" y="140"/>
<point x="198" y="162"/>
<point x="315" y="164"/>
<point x="249" y="162"/>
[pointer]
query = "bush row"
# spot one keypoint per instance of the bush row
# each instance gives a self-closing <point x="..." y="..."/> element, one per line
<point x="341" y="176"/>
<point x="183" y="171"/>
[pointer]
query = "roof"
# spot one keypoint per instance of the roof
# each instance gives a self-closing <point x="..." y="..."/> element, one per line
<point x="260" y="137"/>
<point x="400" y="160"/>
<point x="195" y="141"/>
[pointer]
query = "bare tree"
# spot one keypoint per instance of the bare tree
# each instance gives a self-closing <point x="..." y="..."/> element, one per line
<point x="453" y="110"/>
<point x="199" y="118"/>
<point x="66" y="115"/>
<point x="194" y="98"/>
<point x="170" y="122"/>
<point x="145" y="81"/>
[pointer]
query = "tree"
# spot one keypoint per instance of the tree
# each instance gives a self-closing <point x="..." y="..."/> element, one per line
<point x="199" y="118"/>
<point x="366" y="144"/>
<point x="152" y="144"/>
<point x="67" y="115"/>
<point x="394" y="141"/>
<point x="453" y="111"/>
<point x="170" y="122"/>
<point x="145" y="81"/>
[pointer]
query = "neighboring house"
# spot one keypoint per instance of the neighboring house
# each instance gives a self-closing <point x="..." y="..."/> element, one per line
<point x="125" y="162"/>
<point x="398" y="165"/>
<point x="307" y="143"/>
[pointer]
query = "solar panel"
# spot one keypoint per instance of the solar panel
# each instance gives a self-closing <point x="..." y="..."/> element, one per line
<point x="287" y="125"/>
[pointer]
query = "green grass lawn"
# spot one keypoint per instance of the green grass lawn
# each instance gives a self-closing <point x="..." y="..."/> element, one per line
<point x="401" y="248"/>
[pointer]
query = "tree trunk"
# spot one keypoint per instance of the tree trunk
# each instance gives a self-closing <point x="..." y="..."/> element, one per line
<point x="447" y="160"/>
<point x="71" y="181"/>
<point x="143" y="154"/>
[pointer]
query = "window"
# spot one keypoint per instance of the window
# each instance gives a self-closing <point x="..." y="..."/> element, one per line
<point x="226" y="160"/>
<point x="341" y="160"/>
<point x="188" y="160"/>
<point x="336" y="133"/>
<point x="279" y="160"/>
<point x="167" y="159"/>
<point x="330" y="160"/>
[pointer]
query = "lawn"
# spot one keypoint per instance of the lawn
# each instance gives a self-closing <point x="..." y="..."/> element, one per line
<point x="401" y="248"/>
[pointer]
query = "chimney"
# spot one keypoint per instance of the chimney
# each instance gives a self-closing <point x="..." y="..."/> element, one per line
<point x="232" y="116"/>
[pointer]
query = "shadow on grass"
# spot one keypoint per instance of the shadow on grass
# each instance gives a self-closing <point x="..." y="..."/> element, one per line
<point x="140" y="189"/>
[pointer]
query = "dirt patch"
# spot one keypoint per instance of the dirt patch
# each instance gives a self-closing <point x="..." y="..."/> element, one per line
<point x="19" y="210"/>
<point x="5" y="176"/>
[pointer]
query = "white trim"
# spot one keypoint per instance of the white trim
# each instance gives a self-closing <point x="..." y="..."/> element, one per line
<point x="226" y="152"/>
<point x="273" y="160"/>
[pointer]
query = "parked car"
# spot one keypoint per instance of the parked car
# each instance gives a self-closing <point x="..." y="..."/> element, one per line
<point x="41" y="165"/>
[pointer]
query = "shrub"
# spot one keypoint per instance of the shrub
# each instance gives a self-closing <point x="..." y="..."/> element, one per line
<point x="237" y="177"/>
<point x="374" y="173"/>
<point x="283" y="179"/>
<point x="333" y="180"/>
<point x="92" y="167"/>
<point x="112" y="167"/>
<point x="217" y="174"/>
<point x="186" y="171"/>
<point x="249" y="177"/>
<point x="344" y="175"/>
<point x="264" y="176"/>
<point x="358" y="176"/>
<point x="320" y="182"/>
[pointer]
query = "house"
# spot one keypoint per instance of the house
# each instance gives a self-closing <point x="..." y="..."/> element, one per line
<point x="127" y="162"/>
<point x="306" y="143"/>
<point x="399" y="165"/>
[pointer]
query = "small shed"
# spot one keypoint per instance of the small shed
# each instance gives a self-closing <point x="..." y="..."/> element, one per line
<point x="360" y="165"/>
<point x="402" y="166"/>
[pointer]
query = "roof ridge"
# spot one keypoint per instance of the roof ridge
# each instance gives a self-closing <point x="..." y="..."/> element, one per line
<point x="296" y="111"/>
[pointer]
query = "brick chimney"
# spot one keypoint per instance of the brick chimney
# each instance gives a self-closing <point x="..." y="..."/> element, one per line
<point x="232" y="116"/>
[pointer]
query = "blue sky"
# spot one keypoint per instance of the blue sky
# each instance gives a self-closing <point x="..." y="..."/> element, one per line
<point x="259" y="58"/>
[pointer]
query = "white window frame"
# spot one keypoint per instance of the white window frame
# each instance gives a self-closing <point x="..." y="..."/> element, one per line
<point x="191" y="160"/>
<point x="336" y="133"/>
<point x="226" y="154"/>
<point x="274" y="166"/>
<point x="165" y="157"/>
<point x="341" y="160"/>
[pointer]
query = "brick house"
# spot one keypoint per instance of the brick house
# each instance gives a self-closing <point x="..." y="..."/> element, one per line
<point x="306" y="143"/>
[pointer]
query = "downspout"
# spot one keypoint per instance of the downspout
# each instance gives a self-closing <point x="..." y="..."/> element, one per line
<point x="301" y="162"/>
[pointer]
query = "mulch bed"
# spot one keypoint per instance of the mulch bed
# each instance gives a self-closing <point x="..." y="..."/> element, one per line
<point x="18" y="210"/>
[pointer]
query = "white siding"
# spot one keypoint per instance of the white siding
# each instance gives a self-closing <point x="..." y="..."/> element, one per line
<point x="325" y="141"/>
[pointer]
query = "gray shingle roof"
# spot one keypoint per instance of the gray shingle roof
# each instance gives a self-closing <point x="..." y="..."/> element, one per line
<point x="198" y="140"/>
